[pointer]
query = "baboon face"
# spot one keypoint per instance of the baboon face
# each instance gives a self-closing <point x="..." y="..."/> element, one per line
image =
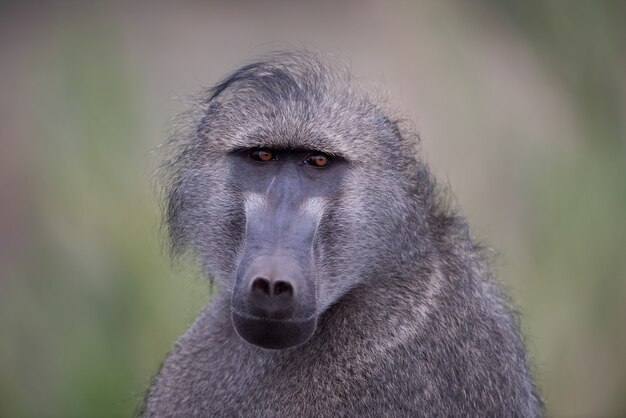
<point x="285" y="193"/>
<point x="290" y="192"/>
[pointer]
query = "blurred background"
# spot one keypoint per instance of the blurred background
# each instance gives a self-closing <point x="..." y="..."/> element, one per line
<point x="521" y="106"/>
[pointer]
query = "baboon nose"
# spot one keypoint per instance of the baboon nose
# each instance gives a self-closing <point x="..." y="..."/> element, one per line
<point x="261" y="287"/>
<point x="283" y="289"/>
<point x="273" y="298"/>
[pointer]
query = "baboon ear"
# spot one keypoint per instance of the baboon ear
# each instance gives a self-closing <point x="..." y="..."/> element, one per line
<point x="173" y="218"/>
<point x="241" y="74"/>
<point x="214" y="96"/>
<point x="212" y="109"/>
<point x="389" y="128"/>
<point x="392" y="125"/>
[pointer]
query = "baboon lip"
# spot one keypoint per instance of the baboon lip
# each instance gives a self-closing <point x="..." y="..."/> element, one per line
<point x="273" y="334"/>
<point x="252" y="317"/>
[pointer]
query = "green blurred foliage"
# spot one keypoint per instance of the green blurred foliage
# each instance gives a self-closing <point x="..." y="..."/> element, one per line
<point x="89" y="309"/>
<point x="96" y="309"/>
<point x="577" y="220"/>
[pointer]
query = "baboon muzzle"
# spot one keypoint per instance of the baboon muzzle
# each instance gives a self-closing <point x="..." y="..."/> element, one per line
<point x="274" y="300"/>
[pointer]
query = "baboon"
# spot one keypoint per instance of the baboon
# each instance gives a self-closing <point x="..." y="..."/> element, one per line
<point x="346" y="286"/>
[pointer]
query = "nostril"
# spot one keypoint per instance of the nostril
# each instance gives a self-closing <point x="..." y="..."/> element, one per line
<point x="283" y="288"/>
<point x="261" y="286"/>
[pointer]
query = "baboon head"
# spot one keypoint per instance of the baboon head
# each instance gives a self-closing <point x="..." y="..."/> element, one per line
<point x="292" y="187"/>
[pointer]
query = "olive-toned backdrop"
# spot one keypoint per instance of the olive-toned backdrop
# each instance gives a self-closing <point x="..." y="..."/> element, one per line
<point x="521" y="107"/>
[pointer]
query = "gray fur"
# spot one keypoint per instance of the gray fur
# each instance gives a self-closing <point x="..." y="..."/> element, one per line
<point x="410" y="321"/>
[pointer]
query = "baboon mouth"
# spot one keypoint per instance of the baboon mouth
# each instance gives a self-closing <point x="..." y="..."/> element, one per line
<point x="271" y="333"/>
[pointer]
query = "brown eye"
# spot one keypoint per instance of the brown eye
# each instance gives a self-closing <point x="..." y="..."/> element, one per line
<point x="262" y="155"/>
<point x="317" y="160"/>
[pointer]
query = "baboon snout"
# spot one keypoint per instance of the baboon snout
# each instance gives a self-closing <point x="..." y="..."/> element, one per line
<point x="274" y="299"/>
<point x="274" y="305"/>
<point x="275" y="287"/>
<point x="272" y="290"/>
<point x="263" y="288"/>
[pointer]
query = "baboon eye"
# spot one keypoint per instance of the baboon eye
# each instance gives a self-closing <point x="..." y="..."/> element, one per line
<point x="263" y="155"/>
<point x="317" y="160"/>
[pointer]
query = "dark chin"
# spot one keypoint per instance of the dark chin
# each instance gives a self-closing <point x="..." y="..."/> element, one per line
<point x="273" y="334"/>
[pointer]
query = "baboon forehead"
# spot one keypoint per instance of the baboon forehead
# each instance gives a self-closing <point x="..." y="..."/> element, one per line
<point x="295" y="100"/>
<point x="360" y="141"/>
<point x="350" y="142"/>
